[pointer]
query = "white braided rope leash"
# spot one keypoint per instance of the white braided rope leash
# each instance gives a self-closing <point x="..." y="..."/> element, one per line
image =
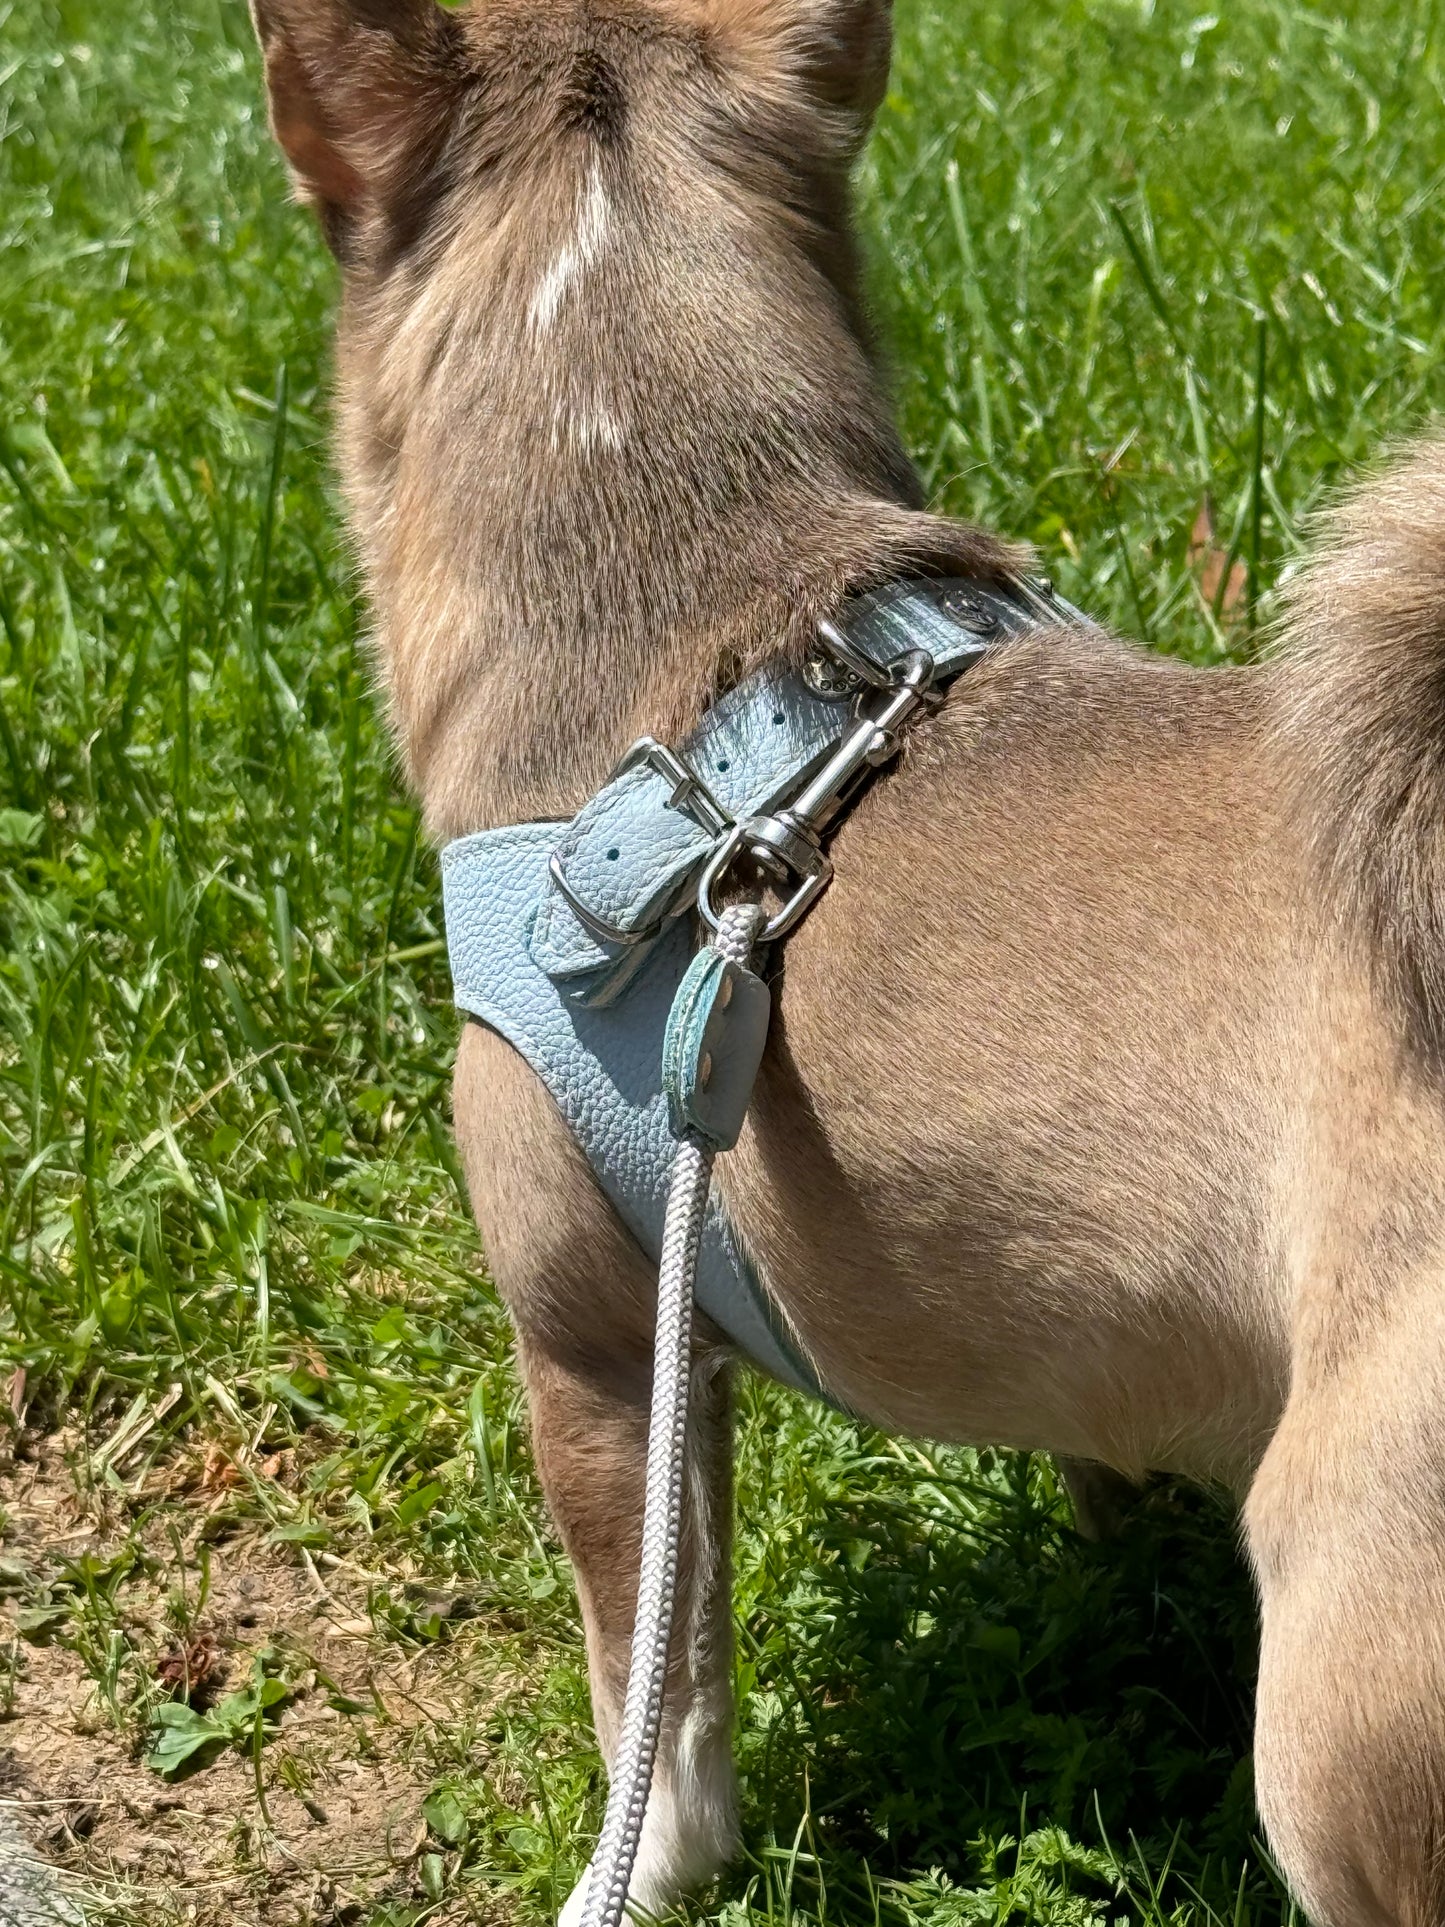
<point x="632" y="1766"/>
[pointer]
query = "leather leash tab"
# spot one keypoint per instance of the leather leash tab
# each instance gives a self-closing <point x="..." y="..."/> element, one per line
<point x="716" y="1033"/>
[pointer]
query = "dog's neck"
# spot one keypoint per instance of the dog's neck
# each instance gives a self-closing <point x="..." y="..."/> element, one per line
<point x="602" y="458"/>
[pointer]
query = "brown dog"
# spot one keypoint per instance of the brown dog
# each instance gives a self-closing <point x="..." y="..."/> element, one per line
<point x="1103" y="1111"/>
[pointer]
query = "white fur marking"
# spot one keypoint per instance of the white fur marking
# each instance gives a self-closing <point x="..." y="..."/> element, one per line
<point x="574" y="255"/>
<point x="597" y="428"/>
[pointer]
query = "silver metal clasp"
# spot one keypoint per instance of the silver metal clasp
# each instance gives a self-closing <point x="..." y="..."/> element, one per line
<point x="790" y="855"/>
<point x="787" y="846"/>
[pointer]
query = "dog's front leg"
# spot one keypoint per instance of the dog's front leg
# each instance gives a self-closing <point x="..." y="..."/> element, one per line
<point x="591" y="1445"/>
<point x="583" y="1302"/>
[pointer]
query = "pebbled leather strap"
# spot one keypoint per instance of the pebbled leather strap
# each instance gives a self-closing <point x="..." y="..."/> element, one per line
<point x="627" y="862"/>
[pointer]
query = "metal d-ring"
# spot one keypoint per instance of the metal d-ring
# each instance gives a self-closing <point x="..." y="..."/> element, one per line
<point x="850" y="657"/>
<point x="784" y="848"/>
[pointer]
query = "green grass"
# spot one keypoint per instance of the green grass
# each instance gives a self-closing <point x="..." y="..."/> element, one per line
<point x="1129" y="257"/>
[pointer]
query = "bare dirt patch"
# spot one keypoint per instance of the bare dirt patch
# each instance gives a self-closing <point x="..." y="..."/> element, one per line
<point x="313" y="1813"/>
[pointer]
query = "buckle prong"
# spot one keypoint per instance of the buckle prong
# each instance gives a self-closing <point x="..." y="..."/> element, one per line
<point x="689" y="792"/>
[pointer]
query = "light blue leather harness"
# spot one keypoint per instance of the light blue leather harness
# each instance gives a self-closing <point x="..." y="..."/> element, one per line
<point x="571" y="939"/>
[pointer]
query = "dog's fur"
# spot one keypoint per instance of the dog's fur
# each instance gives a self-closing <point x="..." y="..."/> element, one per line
<point x="1103" y="1108"/>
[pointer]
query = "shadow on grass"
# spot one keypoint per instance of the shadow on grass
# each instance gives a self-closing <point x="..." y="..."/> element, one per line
<point x="949" y="1669"/>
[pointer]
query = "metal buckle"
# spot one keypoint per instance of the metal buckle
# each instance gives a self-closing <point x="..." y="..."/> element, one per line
<point x="594" y="925"/>
<point x="689" y="793"/>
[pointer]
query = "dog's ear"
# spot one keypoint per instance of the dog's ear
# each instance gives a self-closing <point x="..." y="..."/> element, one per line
<point x="832" y="55"/>
<point x="360" y="94"/>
